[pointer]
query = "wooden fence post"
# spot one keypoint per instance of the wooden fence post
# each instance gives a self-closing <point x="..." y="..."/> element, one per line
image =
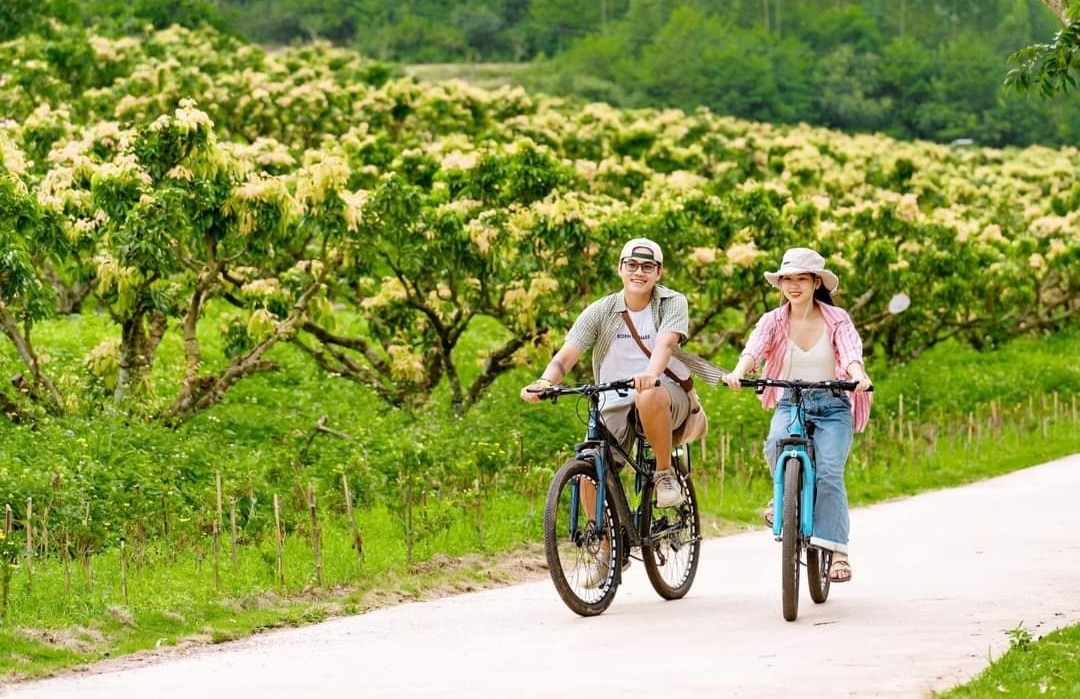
<point x="316" y="535"/>
<point x="280" y="539"/>
<point x="30" y="543"/>
<point x="216" y="543"/>
<point x="357" y="539"/>
<point x="232" y="533"/>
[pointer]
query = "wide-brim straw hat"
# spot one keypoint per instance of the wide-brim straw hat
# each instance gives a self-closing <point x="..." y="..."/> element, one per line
<point x="803" y="261"/>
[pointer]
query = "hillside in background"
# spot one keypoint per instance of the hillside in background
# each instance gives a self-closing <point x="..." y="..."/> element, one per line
<point x="911" y="69"/>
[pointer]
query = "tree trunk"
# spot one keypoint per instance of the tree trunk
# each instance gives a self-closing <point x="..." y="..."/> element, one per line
<point x="202" y="392"/>
<point x="192" y="351"/>
<point x="38" y="381"/>
<point x="140" y="336"/>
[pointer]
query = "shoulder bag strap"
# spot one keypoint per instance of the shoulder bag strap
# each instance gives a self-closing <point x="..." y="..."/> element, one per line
<point x="687" y="384"/>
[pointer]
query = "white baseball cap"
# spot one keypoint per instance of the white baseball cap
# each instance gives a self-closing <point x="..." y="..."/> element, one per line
<point x="654" y="252"/>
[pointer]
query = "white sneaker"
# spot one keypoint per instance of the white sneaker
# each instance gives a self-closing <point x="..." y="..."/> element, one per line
<point x="598" y="570"/>
<point x="668" y="491"/>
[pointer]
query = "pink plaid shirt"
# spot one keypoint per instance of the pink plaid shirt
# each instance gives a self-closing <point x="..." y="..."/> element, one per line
<point x="769" y="339"/>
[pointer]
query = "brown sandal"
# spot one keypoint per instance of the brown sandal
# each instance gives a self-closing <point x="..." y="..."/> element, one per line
<point x="840" y="571"/>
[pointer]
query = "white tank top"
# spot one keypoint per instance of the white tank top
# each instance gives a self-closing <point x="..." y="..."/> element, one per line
<point x="815" y="364"/>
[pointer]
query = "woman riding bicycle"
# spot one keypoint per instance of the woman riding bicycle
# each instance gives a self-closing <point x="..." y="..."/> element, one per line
<point x="810" y="339"/>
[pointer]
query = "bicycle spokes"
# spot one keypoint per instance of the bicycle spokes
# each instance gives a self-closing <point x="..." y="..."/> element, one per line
<point x="582" y="554"/>
<point x="673" y="544"/>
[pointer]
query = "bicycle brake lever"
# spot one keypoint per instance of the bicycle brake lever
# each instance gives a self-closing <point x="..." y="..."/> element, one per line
<point x="544" y="393"/>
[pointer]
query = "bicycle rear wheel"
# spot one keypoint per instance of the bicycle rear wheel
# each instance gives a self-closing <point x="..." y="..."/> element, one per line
<point x="582" y="560"/>
<point x="672" y="545"/>
<point x="790" y="540"/>
<point x="817" y="573"/>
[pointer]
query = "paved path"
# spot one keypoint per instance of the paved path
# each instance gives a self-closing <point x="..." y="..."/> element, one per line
<point x="940" y="579"/>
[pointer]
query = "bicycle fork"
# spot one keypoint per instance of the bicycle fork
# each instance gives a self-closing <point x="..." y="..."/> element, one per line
<point x="794" y="447"/>
<point x="605" y="477"/>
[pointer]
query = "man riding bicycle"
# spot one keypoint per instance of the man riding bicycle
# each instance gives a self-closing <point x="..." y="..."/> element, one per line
<point x="635" y="333"/>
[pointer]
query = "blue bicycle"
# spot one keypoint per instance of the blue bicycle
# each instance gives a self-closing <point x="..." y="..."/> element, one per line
<point x="794" y="490"/>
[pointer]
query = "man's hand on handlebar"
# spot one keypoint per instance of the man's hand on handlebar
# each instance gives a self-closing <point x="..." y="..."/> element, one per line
<point x="542" y="389"/>
<point x="645" y="381"/>
<point x="533" y="393"/>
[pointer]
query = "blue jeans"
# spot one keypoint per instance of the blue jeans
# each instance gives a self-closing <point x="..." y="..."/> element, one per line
<point x="831" y="416"/>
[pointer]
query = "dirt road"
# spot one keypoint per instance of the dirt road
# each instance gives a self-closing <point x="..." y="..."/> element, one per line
<point x="939" y="580"/>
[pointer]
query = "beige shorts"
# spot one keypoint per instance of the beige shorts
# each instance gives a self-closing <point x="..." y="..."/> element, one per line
<point x="619" y="419"/>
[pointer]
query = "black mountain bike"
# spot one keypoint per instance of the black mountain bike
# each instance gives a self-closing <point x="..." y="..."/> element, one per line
<point x="591" y="526"/>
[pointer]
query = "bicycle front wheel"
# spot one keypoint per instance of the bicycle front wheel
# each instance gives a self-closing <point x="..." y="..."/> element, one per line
<point x="583" y="559"/>
<point x="672" y="539"/>
<point x="790" y="539"/>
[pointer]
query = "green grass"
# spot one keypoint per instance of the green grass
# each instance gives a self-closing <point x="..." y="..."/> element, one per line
<point x="476" y="486"/>
<point x="1047" y="668"/>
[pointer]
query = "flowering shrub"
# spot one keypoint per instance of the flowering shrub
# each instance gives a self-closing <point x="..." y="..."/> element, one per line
<point x="373" y="221"/>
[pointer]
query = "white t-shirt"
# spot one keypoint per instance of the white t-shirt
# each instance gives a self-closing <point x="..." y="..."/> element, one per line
<point x="626" y="359"/>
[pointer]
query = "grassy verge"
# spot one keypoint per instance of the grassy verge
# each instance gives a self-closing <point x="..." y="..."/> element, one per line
<point x="1049" y="668"/>
<point x="950" y="418"/>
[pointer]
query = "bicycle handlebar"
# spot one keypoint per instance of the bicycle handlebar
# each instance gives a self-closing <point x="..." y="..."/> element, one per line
<point x="585" y="389"/>
<point x="762" y="384"/>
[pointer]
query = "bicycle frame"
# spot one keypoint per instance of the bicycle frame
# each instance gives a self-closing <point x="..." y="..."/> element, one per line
<point x="599" y="451"/>
<point x="798" y="444"/>
<point x="796" y="538"/>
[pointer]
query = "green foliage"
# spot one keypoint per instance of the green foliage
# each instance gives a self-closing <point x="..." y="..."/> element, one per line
<point x="130" y="16"/>
<point x="860" y="67"/>
<point x="22" y="17"/>
<point x="1043" y="667"/>
<point x="317" y="209"/>
<point x="792" y="61"/>
<point x="1049" y="68"/>
<point x="1020" y="638"/>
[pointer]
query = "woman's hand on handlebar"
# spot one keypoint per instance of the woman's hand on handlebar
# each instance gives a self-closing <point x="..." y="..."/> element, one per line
<point x="734" y="377"/>
<point x="858" y="375"/>
<point x="863" y="384"/>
